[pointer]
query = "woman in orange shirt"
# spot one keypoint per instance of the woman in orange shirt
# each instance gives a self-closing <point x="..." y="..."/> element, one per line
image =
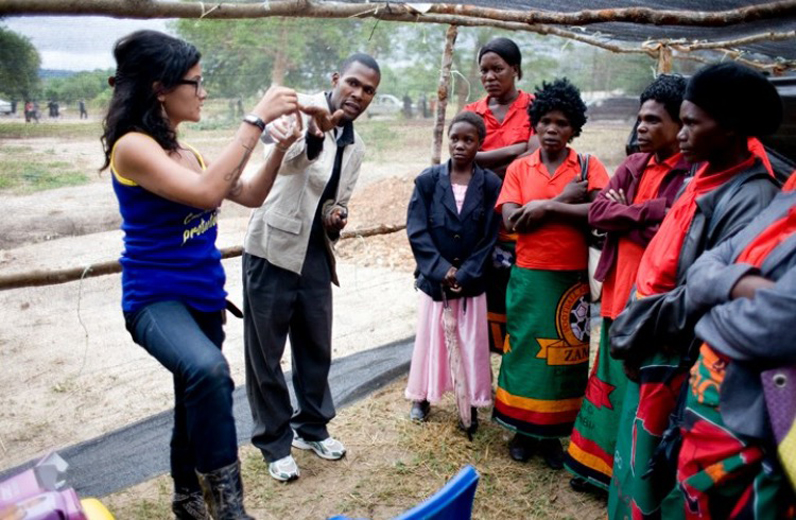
<point x="508" y="135"/>
<point x="545" y="199"/>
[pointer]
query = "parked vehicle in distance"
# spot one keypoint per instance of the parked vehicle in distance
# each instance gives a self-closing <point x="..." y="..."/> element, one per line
<point x="385" y="105"/>
<point x="5" y="107"/>
<point x="618" y="108"/>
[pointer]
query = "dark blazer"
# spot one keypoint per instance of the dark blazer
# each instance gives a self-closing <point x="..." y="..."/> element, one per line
<point x="441" y="237"/>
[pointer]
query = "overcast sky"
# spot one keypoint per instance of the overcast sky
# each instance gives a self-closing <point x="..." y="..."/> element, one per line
<point x="77" y="42"/>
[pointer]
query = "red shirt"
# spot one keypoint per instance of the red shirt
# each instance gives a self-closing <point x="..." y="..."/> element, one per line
<point x="657" y="272"/>
<point x="620" y="279"/>
<point x="553" y="245"/>
<point x="758" y="150"/>
<point x="790" y="184"/>
<point x="515" y="128"/>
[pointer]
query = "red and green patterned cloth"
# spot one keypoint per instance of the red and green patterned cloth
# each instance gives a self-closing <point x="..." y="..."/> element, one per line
<point x="590" y="455"/>
<point x="721" y="474"/>
<point x="545" y="364"/>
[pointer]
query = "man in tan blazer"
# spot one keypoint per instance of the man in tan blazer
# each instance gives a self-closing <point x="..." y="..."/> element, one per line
<point x="288" y="269"/>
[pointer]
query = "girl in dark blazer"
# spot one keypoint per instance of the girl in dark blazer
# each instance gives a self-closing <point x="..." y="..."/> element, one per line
<point x="452" y="228"/>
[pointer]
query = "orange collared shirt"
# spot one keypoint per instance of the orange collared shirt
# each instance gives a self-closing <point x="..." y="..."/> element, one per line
<point x="553" y="245"/>
<point x="620" y="279"/>
<point x="515" y="128"/>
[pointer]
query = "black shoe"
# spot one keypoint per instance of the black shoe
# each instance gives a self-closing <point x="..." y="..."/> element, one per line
<point x="223" y="492"/>
<point x="473" y="423"/>
<point x="553" y="453"/>
<point x="420" y="410"/>
<point x="521" y="447"/>
<point x="189" y="505"/>
<point x="582" y="485"/>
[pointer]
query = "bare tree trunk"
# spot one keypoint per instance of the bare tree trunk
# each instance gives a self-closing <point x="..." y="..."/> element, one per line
<point x="442" y="93"/>
<point x="280" y="56"/>
<point x="664" y="59"/>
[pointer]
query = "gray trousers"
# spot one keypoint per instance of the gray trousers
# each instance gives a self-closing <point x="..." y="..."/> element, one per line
<point x="276" y="303"/>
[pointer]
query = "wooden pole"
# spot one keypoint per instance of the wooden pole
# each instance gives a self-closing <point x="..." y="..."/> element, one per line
<point x="539" y="22"/>
<point x="394" y="11"/>
<point x="442" y="93"/>
<point x="39" y="277"/>
<point x="664" y="59"/>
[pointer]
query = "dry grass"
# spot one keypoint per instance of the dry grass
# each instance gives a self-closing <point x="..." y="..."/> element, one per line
<point x="392" y="465"/>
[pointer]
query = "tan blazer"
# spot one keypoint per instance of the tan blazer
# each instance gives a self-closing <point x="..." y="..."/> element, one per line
<point x="279" y="230"/>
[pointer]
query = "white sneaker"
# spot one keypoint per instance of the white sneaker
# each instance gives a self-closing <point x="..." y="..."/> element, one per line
<point x="329" y="448"/>
<point x="284" y="469"/>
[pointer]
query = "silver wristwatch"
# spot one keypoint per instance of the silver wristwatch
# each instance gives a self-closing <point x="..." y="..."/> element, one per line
<point x="254" y="119"/>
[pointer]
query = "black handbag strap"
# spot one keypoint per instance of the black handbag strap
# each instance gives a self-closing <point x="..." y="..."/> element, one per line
<point x="583" y="159"/>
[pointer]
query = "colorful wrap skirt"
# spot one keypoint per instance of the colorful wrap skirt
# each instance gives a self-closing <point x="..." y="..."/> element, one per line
<point x="721" y="474"/>
<point x="545" y="365"/>
<point x="497" y="279"/>
<point x="590" y="455"/>
<point x="635" y="491"/>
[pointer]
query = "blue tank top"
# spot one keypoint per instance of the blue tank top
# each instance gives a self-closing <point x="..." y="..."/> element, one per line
<point x="169" y="250"/>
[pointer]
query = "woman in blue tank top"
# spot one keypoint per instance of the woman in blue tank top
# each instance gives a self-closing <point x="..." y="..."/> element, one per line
<point x="173" y="282"/>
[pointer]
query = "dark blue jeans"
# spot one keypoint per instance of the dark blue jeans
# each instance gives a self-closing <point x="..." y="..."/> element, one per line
<point x="188" y="343"/>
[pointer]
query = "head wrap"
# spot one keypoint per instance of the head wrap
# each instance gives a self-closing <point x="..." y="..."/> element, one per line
<point x="507" y="50"/>
<point x="737" y="97"/>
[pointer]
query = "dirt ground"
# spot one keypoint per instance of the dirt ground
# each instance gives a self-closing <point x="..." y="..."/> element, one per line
<point x="70" y="371"/>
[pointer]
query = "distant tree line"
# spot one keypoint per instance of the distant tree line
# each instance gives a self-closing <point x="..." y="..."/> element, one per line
<point x="244" y="57"/>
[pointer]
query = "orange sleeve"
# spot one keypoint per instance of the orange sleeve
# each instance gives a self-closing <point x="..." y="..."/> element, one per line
<point x="790" y="184"/>
<point x="598" y="176"/>
<point x="511" y="192"/>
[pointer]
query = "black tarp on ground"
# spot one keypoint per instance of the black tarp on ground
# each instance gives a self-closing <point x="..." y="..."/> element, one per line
<point x="140" y="451"/>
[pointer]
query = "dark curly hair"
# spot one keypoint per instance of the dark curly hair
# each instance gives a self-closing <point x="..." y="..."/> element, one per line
<point x="471" y="118"/>
<point x="668" y="90"/>
<point x="561" y="95"/>
<point x="143" y="58"/>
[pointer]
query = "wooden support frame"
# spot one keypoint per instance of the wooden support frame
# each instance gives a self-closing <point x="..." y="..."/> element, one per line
<point x="39" y="278"/>
<point x="540" y="22"/>
<point x="392" y="11"/>
<point x="442" y="93"/>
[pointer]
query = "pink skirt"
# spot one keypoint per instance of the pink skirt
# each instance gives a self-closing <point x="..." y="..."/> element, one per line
<point x="429" y="373"/>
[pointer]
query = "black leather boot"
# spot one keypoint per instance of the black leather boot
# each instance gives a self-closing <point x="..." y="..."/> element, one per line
<point x="223" y="492"/>
<point x="189" y="505"/>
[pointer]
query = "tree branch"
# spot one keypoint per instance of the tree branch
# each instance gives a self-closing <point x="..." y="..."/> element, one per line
<point x="394" y="12"/>
<point x="39" y="278"/>
<point x="442" y="93"/>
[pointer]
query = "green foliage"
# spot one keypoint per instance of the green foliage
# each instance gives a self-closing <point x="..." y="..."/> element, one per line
<point x="591" y="68"/>
<point x="83" y="85"/>
<point x="242" y="57"/>
<point x="35" y="174"/>
<point x="19" y="66"/>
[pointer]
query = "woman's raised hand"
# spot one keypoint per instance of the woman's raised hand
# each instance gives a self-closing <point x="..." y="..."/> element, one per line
<point x="286" y="130"/>
<point x="276" y="102"/>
